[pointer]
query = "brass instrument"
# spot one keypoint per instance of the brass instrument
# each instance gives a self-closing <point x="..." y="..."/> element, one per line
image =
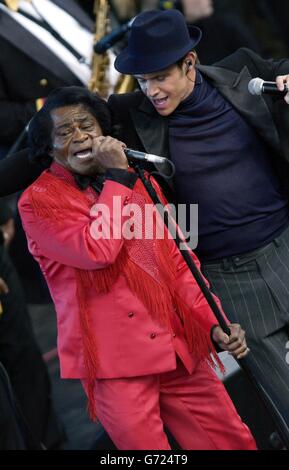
<point x="125" y="84"/>
<point x="100" y="81"/>
<point x="100" y="63"/>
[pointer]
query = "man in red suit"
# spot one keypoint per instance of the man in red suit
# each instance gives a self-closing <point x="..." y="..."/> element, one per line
<point x="133" y="325"/>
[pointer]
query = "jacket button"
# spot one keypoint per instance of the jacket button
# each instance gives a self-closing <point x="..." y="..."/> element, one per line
<point x="130" y="314"/>
<point x="153" y="335"/>
<point x="43" y="82"/>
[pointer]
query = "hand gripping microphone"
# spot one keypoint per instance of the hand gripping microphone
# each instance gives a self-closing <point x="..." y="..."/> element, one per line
<point x="258" y="87"/>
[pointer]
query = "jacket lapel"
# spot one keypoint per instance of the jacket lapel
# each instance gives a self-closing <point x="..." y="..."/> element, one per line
<point x="234" y="87"/>
<point x="152" y="130"/>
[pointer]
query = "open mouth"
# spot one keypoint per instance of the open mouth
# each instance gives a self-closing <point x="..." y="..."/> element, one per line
<point x="160" y="103"/>
<point x="83" y="154"/>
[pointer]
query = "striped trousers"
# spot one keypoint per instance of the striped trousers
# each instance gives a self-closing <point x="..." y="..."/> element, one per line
<point x="254" y="291"/>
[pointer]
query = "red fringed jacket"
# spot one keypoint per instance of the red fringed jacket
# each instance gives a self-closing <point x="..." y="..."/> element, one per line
<point x="124" y="307"/>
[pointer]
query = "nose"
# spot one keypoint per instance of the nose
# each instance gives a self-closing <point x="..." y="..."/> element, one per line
<point x="152" y="89"/>
<point x="79" y="135"/>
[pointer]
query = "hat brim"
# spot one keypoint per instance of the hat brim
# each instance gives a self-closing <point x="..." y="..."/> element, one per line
<point x="131" y="65"/>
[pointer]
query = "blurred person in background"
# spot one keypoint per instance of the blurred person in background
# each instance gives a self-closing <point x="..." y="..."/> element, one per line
<point x="279" y="11"/>
<point x="19" y="352"/>
<point x="267" y="21"/>
<point x="11" y="432"/>
<point x="38" y="54"/>
<point x="223" y="32"/>
<point x="44" y="44"/>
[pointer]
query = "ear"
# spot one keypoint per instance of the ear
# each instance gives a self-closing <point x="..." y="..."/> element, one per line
<point x="51" y="151"/>
<point x="190" y="59"/>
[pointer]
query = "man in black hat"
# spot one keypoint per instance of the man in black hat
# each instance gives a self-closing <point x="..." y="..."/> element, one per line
<point x="231" y="153"/>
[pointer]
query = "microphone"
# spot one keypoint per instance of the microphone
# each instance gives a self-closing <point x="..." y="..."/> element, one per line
<point x="142" y="156"/>
<point x="112" y="38"/>
<point x="257" y="86"/>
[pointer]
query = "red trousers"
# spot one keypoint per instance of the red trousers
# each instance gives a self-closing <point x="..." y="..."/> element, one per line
<point x="195" y="408"/>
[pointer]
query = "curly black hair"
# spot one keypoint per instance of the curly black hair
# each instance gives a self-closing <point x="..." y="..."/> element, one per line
<point x="41" y="125"/>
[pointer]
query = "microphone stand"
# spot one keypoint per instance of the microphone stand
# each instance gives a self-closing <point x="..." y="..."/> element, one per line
<point x="169" y="221"/>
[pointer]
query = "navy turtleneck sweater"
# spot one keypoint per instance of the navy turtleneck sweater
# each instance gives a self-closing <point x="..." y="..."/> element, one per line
<point x="224" y="167"/>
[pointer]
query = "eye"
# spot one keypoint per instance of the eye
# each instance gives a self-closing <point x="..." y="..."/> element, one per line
<point x="86" y="125"/>
<point x="64" y="133"/>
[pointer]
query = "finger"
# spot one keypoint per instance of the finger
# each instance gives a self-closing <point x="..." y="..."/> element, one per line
<point x="122" y="144"/>
<point x="237" y="341"/>
<point x="286" y="87"/>
<point x="225" y="339"/>
<point x="232" y="348"/>
<point x="235" y="328"/>
<point x="97" y="142"/>
<point x="281" y="81"/>
<point x="240" y="356"/>
<point x="109" y="143"/>
<point x="100" y="139"/>
<point x="239" y="350"/>
<point x="220" y="337"/>
<point x="238" y="336"/>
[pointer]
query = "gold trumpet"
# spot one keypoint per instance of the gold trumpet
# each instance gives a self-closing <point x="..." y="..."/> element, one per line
<point x="100" y="81"/>
<point x="100" y="62"/>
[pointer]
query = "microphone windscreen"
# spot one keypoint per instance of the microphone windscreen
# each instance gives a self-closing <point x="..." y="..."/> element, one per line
<point x="255" y="86"/>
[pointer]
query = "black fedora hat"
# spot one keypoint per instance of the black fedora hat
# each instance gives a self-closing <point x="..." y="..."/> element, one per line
<point x="157" y="40"/>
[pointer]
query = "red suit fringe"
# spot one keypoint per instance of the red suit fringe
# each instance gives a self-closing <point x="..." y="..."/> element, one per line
<point x="156" y="292"/>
